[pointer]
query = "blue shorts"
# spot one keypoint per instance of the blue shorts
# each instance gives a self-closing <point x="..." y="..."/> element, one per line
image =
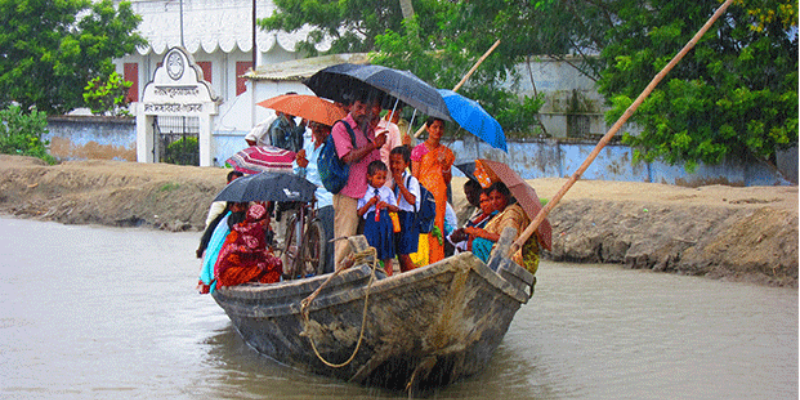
<point x="407" y="240"/>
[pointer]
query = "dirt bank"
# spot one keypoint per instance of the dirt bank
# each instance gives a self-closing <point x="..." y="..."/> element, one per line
<point x="748" y="234"/>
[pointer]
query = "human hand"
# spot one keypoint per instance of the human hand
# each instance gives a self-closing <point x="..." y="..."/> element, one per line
<point x="380" y="139"/>
<point x="458" y="235"/>
<point x="398" y="178"/>
<point x="301" y="159"/>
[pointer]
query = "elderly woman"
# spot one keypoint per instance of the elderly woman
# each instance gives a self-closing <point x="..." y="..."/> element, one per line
<point x="431" y="164"/>
<point x="244" y="256"/>
<point x="510" y="214"/>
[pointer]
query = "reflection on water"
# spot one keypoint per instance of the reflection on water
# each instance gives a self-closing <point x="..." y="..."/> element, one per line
<point x="89" y="312"/>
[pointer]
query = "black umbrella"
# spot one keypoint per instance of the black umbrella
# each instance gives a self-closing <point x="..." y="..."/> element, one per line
<point x="268" y="186"/>
<point x="342" y="80"/>
<point x="468" y="169"/>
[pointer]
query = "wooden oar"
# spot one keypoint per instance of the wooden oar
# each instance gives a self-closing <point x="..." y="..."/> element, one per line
<point x="464" y="79"/>
<point x="611" y="132"/>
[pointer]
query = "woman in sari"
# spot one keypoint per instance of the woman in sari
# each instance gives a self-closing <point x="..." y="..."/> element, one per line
<point x="511" y="215"/>
<point x="430" y="164"/>
<point x="460" y="239"/>
<point x="244" y="256"/>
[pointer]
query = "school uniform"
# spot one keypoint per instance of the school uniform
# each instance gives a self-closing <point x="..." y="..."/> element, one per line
<point x="407" y="240"/>
<point x="379" y="234"/>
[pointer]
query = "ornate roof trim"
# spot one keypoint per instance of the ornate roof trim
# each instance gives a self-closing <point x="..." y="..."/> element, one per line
<point x="209" y="25"/>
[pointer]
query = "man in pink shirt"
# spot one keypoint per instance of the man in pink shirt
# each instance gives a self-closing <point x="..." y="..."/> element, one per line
<point x="366" y="150"/>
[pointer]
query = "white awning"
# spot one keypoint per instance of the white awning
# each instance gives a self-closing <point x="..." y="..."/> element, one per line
<point x="297" y="70"/>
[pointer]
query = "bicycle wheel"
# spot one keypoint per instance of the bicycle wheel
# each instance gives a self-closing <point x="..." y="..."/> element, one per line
<point x="290" y="248"/>
<point x="313" y="249"/>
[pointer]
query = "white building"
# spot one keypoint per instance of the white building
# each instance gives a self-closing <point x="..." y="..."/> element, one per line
<point x="219" y="35"/>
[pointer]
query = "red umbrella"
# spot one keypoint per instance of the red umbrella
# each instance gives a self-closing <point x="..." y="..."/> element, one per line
<point x="525" y="195"/>
<point x="255" y="159"/>
<point x="311" y="108"/>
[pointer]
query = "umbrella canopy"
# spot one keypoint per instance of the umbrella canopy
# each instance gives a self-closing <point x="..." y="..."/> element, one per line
<point x="338" y="81"/>
<point x="525" y="195"/>
<point x="255" y="159"/>
<point x="311" y="108"/>
<point x="473" y="118"/>
<point x="268" y="186"/>
<point x="468" y="168"/>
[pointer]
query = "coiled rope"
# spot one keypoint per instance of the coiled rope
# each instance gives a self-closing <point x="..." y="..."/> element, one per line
<point x="357" y="259"/>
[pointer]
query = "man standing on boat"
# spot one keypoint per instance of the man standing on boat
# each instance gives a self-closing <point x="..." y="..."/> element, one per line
<point x="366" y="150"/>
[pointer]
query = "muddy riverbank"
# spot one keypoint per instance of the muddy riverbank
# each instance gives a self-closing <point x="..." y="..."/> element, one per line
<point x="741" y="234"/>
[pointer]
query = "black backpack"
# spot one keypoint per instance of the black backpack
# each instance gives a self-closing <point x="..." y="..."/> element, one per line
<point x="426" y="215"/>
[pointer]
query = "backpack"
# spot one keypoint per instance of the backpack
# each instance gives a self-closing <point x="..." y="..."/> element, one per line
<point x="426" y="215"/>
<point x="332" y="170"/>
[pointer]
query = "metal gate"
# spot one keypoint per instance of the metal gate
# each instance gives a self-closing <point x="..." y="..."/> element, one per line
<point x="177" y="140"/>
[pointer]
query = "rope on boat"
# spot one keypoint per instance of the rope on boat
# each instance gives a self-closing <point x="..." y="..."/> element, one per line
<point x="357" y="259"/>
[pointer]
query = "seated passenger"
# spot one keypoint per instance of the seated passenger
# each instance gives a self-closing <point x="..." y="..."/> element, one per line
<point x="244" y="256"/>
<point x="460" y="239"/>
<point x="510" y="214"/>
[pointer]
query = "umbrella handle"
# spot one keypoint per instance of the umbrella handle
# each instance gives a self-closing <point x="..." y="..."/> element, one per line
<point x="469" y="73"/>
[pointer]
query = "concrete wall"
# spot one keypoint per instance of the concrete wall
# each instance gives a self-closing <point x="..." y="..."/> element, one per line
<point x="561" y="158"/>
<point x="81" y="138"/>
<point x="92" y="138"/>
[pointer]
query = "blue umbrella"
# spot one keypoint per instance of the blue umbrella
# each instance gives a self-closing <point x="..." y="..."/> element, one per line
<point x="472" y="117"/>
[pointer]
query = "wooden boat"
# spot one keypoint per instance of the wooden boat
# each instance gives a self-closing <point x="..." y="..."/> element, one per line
<point x="421" y="329"/>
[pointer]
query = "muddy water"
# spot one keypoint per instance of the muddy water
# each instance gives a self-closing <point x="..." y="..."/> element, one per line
<point x="89" y="312"/>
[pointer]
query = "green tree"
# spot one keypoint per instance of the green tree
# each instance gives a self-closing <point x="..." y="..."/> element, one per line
<point x="352" y="24"/>
<point x="734" y="95"/>
<point x="108" y="96"/>
<point x="439" y="45"/>
<point x="21" y="133"/>
<point x="49" y="49"/>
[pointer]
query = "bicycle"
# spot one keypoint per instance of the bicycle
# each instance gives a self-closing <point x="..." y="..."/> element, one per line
<point x="304" y="249"/>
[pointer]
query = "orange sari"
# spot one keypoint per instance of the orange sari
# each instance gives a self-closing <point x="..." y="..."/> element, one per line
<point x="432" y="163"/>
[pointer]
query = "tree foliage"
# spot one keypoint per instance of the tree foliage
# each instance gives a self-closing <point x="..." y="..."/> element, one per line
<point x="107" y="96"/>
<point x="50" y="49"/>
<point x="440" y="44"/>
<point x="735" y="94"/>
<point x="21" y="133"/>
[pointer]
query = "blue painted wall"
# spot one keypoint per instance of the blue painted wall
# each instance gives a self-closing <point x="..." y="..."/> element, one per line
<point x="81" y="138"/>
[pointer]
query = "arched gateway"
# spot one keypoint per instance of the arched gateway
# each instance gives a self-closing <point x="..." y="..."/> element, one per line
<point x="178" y="99"/>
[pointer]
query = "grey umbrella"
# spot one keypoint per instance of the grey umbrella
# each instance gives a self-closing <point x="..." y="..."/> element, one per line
<point x="268" y="186"/>
<point x="338" y="81"/>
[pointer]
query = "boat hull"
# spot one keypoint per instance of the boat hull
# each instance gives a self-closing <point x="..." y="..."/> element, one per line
<point x="424" y="328"/>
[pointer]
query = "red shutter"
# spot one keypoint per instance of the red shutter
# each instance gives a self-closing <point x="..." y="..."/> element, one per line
<point x="241" y="68"/>
<point x="131" y="74"/>
<point x="206" y="67"/>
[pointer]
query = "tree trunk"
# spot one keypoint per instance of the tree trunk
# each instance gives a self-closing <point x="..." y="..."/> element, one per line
<point x="407" y="8"/>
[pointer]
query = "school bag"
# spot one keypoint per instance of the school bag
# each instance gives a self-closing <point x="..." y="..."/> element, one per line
<point x="332" y="170"/>
<point x="426" y="215"/>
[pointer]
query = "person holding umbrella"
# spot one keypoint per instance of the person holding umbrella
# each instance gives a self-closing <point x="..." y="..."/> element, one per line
<point x="367" y="149"/>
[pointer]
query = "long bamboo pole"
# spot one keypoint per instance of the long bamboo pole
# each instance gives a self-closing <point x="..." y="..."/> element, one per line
<point x="466" y="77"/>
<point x="611" y="132"/>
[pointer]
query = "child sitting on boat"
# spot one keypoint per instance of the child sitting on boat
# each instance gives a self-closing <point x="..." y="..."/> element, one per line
<point x="406" y="189"/>
<point x="375" y="207"/>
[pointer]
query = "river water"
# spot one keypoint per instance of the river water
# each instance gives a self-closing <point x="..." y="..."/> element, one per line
<point x="95" y="312"/>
